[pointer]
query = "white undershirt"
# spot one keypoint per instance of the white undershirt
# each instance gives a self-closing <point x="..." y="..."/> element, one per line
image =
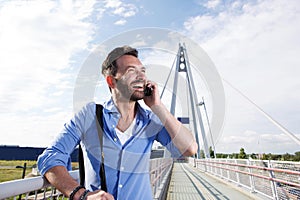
<point x="124" y="136"/>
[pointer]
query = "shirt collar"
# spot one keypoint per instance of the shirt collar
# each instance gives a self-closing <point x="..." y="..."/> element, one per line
<point x="110" y="107"/>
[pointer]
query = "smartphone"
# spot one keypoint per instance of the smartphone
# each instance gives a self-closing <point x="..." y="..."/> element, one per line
<point x="148" y="91"/>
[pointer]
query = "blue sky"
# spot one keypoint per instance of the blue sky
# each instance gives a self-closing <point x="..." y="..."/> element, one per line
<point x="253" y="44"/>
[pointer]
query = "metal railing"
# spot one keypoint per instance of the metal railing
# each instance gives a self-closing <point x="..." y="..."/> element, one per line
<point x="39" y="188"/>
<point x="272" y="179"/>
<point x="160" y="175"/>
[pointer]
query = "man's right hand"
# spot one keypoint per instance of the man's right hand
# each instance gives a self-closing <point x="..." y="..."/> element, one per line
<point x="99" y="194"/>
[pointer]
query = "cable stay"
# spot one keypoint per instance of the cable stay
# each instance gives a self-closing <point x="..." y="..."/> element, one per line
<point x="271" y="119"/>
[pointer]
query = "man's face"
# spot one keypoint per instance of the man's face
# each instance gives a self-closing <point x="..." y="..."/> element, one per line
<point x="131" y="77"/>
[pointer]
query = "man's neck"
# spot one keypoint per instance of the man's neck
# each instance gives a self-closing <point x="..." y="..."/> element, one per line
<point x="127" y="109"/>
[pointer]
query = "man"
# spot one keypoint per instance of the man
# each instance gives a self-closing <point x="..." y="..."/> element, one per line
<point x="129" y="131"/>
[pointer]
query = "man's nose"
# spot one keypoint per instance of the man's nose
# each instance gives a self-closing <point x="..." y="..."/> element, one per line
<point x="140" y="74"/>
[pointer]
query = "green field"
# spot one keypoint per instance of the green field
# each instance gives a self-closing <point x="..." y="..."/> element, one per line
<point x="8" y="170"/>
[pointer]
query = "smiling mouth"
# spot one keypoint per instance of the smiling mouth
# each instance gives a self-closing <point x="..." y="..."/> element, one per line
<point x="138" y="86"/>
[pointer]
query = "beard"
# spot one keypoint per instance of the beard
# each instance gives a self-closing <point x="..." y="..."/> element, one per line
<point x="128" y="92"/>
<point x="137" y="95"/>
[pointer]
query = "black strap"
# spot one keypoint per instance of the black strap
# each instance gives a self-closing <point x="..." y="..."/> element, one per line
<point x="99" y="114"/>
<point x="81" y="165"/>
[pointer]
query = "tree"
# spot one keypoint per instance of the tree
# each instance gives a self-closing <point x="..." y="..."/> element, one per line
<point x="211" y="152"/>
<point x="297" y="156"/>
<point x="242" y="154"/>
<point x="202" y="155"/>
<point x="253" y="156"/>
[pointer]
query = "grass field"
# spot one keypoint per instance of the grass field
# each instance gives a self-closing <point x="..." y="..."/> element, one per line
<point x="8" y="170"/>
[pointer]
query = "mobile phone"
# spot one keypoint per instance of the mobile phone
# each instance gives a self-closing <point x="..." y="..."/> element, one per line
<point x="148" y="91"/>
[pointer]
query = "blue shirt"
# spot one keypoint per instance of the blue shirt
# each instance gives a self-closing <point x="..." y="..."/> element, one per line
<point x="126" y="166"/>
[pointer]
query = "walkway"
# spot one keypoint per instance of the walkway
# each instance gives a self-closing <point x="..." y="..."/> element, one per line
<point x="189" y="183"/>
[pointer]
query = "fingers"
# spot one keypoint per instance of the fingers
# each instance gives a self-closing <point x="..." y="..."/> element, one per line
<point x="106" y="195"/>
<point x="100" y="194"/>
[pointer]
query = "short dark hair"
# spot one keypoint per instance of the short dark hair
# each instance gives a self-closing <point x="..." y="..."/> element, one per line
<point x="109" y="66"/>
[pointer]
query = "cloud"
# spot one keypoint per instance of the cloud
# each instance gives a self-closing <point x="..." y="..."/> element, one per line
<point x="38" y="41"/>
<point x="33" y="130"/>
<point x="254" y="142"/>
<point x="120" y="22"/>
<point x="254" y="45"/>
<point x="212" y="4"/>
<point x="121" y="9"/>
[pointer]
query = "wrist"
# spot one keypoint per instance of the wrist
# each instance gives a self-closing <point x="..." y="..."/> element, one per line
<point x="160" y="111"/>
<point x="77" y="192"/>
<point x="84" y="195"/>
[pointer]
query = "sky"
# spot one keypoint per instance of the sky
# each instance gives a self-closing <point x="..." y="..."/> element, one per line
<point x="253" y="44"/>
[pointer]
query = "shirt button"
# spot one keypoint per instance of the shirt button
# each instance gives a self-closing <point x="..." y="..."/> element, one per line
<point x="122" y="168"/>
<point x="120" y="185"/>
<point x="113" y="126"/>
<point x="115" y="139"/>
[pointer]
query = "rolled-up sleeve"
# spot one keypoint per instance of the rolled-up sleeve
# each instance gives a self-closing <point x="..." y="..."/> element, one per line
<point x="58" y="154"/>
<point x="164" y="138"/>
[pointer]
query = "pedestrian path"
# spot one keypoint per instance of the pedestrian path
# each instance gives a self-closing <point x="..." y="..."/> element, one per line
<point x="189" y="183"/>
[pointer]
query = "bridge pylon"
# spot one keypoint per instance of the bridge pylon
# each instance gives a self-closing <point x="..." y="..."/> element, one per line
<point x="183" y="66"/>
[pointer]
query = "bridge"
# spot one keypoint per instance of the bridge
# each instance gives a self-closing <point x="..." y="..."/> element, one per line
<point x="191" y="179"/>
<point x="199" y="177"/>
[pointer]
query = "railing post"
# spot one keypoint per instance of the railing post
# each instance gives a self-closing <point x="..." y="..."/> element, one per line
<point x="215" y="167"/>
<point x="228" y="173"/>
<point x="251" y="180"/>
<point x="156" y="174"/>
<point x="237" y="173"/>
<point x="221" y="172"/>
<point x="273" y="184"/>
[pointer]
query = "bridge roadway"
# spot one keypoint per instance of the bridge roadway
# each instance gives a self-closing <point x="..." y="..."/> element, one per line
<point x="188" y="183"/>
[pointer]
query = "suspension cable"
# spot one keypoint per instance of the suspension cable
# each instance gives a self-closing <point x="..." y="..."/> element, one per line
<point x="273" y="121"/>
<point x="168" y="77"/>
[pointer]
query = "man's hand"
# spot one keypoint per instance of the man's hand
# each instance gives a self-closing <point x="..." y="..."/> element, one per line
<point x="99" y="195"/>
<point x="154" y="98"/>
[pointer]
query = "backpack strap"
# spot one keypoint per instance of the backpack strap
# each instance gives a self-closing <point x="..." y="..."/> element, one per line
<point x="99" y="114"/>
<point x="81" y="165"/>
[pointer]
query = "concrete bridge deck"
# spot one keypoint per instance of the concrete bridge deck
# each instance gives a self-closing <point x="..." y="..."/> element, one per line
<point x="190" y="183"/>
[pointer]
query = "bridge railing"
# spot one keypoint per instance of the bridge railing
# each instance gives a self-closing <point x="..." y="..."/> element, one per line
<point x="272" y="179"/>
<point x="160" y="175"/>
<point x="39" y="188"/>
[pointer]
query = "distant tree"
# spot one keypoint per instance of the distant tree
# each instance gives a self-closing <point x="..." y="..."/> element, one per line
<point x="242" y="154"/>
<point x="202" y="155"/>
<point x="297" y="156"/>
<point x="265" y="156"/>
<point x="234" y="155"/>
<point x="275" y="157"/>
<point x="222" y="155"/>
<point x="211" y="152"/>
<point x="287" y="157"/>
<point x="253" y="156"/>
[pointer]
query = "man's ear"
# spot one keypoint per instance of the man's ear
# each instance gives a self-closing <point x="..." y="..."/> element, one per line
<point x="110" y="81"/>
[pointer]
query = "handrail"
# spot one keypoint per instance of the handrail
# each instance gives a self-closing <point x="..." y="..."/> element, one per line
<point x="261" y="176"/>
<point x="159" y="173"/>
<point x="255" y="167"/>
<point x="22" y="186"/>
<point x="273" y="179"/>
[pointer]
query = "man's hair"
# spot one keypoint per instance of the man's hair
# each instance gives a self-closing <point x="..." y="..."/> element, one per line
<point x="109" y="66"/>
